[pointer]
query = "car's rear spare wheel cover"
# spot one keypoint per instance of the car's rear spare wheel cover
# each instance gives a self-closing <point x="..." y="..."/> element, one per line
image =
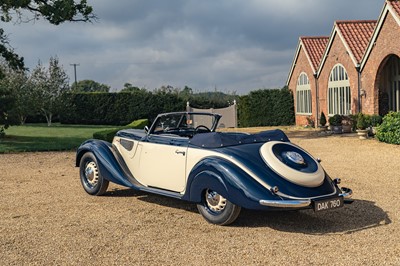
<point x="292" y="163"/>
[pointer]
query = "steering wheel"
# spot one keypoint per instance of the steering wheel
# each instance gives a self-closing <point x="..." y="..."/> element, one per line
<point x="203" y="127"/>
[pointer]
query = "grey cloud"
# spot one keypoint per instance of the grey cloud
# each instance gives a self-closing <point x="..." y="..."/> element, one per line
<point x="233" y="45"/>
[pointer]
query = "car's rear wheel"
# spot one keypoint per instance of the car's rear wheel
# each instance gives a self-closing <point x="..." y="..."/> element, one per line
<point x="216" y="209"/>
<point x="92" y="180"/>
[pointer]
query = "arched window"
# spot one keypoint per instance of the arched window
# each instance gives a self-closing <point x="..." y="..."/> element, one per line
<point x="339" y="94"/>
<point x="303" y="95"/>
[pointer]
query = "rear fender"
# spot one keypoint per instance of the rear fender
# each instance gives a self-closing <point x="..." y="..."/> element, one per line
<point x="228" y="180"/>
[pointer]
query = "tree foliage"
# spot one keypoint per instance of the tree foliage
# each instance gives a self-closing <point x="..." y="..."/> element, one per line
<point x="89" y="86"/>
<point x="53" y="11"/>
<point x="23" y="94"/>
<point x="50" y="84"/>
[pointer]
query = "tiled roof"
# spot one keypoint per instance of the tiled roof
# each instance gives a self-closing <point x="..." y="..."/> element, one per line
<point x="396" y="6"/>
<point x="357" y="34"/>
<point x="315" y="48"/>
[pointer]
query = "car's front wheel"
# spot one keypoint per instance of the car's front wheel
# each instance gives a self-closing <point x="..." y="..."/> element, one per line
<point x="216" y="209"/>
<point x="92" y="180"/>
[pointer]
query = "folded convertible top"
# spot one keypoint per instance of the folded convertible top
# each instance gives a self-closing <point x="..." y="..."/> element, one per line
<point x="223" y="139"/>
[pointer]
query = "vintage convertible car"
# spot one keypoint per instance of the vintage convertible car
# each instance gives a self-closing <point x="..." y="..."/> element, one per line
<point x="182" y="156"/>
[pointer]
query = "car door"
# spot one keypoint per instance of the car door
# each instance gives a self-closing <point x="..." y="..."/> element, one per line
<point x="163" y="162"/>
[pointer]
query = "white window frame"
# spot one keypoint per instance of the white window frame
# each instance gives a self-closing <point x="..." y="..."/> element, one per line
<point x="339" y="92"/>
<point x="303" y="95"/>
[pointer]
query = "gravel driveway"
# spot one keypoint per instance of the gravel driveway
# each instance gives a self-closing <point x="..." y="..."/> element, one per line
<point x="47" y="218"/>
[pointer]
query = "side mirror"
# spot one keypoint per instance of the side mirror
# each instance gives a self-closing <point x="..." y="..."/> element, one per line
<point x="146" y="129"/>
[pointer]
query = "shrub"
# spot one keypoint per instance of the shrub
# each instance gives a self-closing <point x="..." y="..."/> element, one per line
<point x="310" y="121"/>
<point x="109" y="134"/>
<point x="389" y="130"/>
<point x="322" y="120"/>
<point x="266" y="108"/>
<point x="376" y="120"/>
<point x="335" y="120"/>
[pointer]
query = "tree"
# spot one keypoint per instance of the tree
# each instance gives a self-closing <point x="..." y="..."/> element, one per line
<point x="130" y="88"/>
<point x="50" y="85"/>
<point x="6" y="102"/>
<point x="54" y="11"/>
<point x="89" y="86"/>
<point x="18" y="82"/>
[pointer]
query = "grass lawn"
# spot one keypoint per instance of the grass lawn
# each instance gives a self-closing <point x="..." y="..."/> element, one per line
<point x="40" y="137"/>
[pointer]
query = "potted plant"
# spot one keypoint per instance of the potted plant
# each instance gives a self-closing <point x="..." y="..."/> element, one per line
<point x="322" y="122"/>
<point x="336" y="124"/>
<point x="347" y="124"/>
<point x="362" y="125"/>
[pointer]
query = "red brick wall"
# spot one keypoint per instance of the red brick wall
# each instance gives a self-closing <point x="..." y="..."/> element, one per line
<point x="303" y="65"/>
<point x="337" y="55"/>
<point x="387" y="43"/>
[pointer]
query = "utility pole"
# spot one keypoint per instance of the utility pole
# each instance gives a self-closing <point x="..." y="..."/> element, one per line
<point x="75" y="65"/>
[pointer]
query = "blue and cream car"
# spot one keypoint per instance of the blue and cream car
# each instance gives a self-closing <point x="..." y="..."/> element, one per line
<point x="183" y="156"/>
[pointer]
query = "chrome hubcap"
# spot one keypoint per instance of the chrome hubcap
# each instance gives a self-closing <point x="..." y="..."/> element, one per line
<point x="215" y="201"/>
<point x="295" y="157"/>
<point x="92" y="173"/>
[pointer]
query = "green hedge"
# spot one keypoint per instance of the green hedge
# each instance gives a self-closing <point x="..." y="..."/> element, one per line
<point x="116" y="108"/>
<point x="258" y="108"/>
<point x="389" y="130"/>
<point x="266" y="108"/>
<point x="109" y="134"/>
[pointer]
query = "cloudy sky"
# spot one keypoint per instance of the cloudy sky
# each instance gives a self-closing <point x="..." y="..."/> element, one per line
<point x="232" y="45"/>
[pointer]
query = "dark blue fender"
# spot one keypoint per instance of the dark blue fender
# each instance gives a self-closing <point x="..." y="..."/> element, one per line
<point x="106" y="160"/>
<point x="228" y="180"/>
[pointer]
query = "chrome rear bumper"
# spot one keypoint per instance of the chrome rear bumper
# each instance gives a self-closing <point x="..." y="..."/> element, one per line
<point x="347" y="193"/>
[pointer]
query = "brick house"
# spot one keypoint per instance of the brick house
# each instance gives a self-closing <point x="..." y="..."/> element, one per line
<point x="355" y="69"/>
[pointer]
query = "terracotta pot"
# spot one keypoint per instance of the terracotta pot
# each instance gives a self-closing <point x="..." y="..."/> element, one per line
<point x="346" y="128"/>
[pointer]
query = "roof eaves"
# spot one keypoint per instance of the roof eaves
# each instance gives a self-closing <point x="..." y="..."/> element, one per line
<point x="387" y="8"/>
<point x="328" y="47"/>
<point x="346" y="45"/>
<point x="396" y="14"/>
<point x="296" y="55"/>
<point x="308" y="57"/>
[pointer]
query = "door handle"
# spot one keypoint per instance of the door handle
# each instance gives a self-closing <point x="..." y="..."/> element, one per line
<point x="180" y="152"/>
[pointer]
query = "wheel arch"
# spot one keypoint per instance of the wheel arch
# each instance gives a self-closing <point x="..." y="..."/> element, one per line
<point x="107" y="163"/>
<point x="227" y="179"/>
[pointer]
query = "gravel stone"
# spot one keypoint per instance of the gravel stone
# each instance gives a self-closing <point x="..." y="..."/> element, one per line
<point x="47" y="218"/>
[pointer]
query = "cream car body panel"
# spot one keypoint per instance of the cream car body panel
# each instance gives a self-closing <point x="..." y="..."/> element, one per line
<point x="163" y="166"/>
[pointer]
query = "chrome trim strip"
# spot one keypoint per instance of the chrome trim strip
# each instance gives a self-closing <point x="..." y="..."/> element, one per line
<point x="286" y="203"/>
<point x="347" y="193"/>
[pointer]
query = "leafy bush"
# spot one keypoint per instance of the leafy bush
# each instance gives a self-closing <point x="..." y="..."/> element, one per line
<point x="266" y="108"/>
<point x="335" y="120"/>
<point x="389" y="130"/>
<point x="376" y="120"/>
<point x="109" y="134"/>
<point x="322" y="120"/>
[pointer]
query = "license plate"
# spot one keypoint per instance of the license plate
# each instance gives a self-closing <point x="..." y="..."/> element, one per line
<point x="328" y="204"/>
